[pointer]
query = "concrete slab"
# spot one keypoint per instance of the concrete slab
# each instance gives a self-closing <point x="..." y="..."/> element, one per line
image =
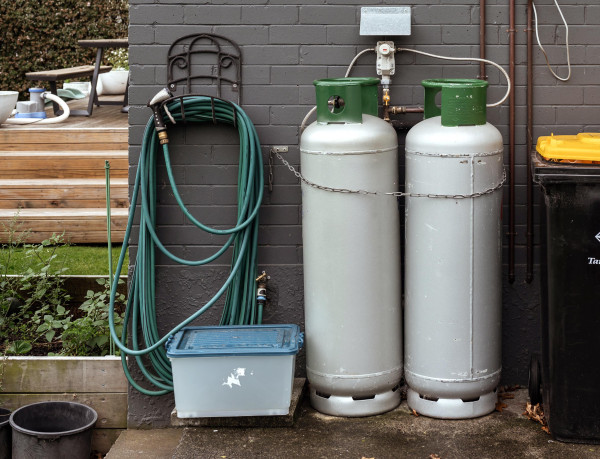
<point x="397" y="434"/>
<point x="250" y="421"/>
<point x="155" y="443"/>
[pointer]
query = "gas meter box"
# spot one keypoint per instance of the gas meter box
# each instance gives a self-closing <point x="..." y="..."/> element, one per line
<point x="568" y="170"/>
<point x="385" y="20"/>
<point x="245" y="370"/>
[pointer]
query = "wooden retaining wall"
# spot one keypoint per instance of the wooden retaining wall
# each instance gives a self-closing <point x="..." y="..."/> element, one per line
<point x="98" y="382"/>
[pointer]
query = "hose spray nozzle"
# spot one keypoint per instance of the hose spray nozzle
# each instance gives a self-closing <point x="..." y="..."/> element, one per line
<point x="159" y="122"/>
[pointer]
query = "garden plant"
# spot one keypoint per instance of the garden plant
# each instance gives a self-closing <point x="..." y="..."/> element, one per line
<point x="37" y="315"/>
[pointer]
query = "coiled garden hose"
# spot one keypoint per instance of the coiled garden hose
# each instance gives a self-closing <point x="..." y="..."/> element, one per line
<point x="240" y="304"/>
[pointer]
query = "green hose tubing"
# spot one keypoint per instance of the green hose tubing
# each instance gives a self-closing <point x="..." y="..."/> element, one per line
<point x="240" y="307"/>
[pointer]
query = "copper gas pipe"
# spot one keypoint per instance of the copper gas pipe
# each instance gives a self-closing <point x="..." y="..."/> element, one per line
<point x="403" y="125"/>
<point x="529" y="141"/>
<point x="482" y="74"/>
<point x="511" y="146"/>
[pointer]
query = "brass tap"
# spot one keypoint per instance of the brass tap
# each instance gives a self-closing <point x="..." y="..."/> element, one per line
<point x="261" y="290"/>
<point x="386" y="97"/>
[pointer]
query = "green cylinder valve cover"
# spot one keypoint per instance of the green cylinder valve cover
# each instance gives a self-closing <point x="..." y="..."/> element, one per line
<point x="463" y="101"/>
<point x="344" y="100"/>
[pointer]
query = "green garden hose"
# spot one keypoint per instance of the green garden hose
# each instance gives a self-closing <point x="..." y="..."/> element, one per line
<point x="241" y="307"/>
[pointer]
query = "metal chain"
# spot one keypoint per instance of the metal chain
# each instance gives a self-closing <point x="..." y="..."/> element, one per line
<point x="398" y="194"/>
<point x="270" y="178"/>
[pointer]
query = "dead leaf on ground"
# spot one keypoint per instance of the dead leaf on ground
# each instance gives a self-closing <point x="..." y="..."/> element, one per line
<point x="367" y="457"/>
<point x="536" y="413"/>
<point x="505" y="395"/>
<point x="500" y="406"/>
<point x="434" y="456"/>
<point x="414" y="413"/>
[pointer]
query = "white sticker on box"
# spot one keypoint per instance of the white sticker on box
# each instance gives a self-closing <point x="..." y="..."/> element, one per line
<point x="234" y="378"/>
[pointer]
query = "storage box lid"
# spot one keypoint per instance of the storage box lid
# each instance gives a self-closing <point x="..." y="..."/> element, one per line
<point x="583" y="147"/>
<point x="235" y="340"/>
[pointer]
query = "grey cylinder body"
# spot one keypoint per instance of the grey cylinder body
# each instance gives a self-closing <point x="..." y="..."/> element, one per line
<point x="453" y="269"/>
<point x="352" y="279"/>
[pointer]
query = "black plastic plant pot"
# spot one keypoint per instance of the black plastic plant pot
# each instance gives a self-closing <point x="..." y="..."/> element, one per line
<point x="5" y="434"/>
<point x="52" y="430"/>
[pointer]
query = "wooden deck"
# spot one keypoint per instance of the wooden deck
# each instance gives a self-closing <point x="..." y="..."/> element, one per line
<point x="53" y="176"/>
<point x="104" y="117"/>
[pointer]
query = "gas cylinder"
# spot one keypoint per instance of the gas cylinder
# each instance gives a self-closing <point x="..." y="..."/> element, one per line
<point x="351" y="249"/>
<point x="453" y="264"/>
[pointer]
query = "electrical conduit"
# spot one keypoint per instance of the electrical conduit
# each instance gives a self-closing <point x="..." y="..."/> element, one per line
<point x="529" y="142"/>
<point x="240" y="304"/>
<point x="511" y="145"/>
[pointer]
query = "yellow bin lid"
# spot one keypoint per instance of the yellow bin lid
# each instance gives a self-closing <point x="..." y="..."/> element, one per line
<point x="581" y="148"/>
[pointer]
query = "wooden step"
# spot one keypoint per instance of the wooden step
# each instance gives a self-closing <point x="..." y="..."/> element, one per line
<point x="63" y="164"/>
<point x="55" y="174"/>
<point x="69" y="193"/>
<point x="61" y="139"/>
<point x="79" y="225"/>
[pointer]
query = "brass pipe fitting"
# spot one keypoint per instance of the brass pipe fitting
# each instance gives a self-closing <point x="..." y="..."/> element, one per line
<point x="386" y="97"/>
<point x="399" y="110"/>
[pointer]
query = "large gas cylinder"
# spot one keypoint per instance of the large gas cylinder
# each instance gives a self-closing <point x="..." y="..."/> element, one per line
<point x="351" y="248"/>
<point x="453" y="264"/>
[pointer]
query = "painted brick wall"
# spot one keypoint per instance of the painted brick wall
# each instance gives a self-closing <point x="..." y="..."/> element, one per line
<point x="286" y="45"/>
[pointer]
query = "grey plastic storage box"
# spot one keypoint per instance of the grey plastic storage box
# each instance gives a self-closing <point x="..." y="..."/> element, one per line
<point x="245" y="370"/>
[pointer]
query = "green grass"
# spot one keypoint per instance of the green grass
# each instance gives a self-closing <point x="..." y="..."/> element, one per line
<point x="79" y="259"/>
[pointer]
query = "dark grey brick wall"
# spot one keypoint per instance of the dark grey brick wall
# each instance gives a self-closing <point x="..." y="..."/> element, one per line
<point x="287" y="44"/>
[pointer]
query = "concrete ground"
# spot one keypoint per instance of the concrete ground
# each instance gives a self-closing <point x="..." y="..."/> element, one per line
<point x="397" y="434"/>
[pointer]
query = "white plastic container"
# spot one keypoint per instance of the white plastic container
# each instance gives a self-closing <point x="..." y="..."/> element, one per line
<point x="83" y="86"/>
<point x="113" y="82"/>
<point x="8" y="100"/>
<point x="229" y="371"/>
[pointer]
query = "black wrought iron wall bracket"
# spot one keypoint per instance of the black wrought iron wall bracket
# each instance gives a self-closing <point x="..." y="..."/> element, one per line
<point x="226" y="69"/>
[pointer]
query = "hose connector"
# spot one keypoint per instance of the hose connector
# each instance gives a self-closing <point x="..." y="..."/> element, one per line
<point x="163" y="137"/>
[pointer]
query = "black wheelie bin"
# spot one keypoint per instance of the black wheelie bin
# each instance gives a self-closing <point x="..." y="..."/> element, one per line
<point x="567" y="374"/>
